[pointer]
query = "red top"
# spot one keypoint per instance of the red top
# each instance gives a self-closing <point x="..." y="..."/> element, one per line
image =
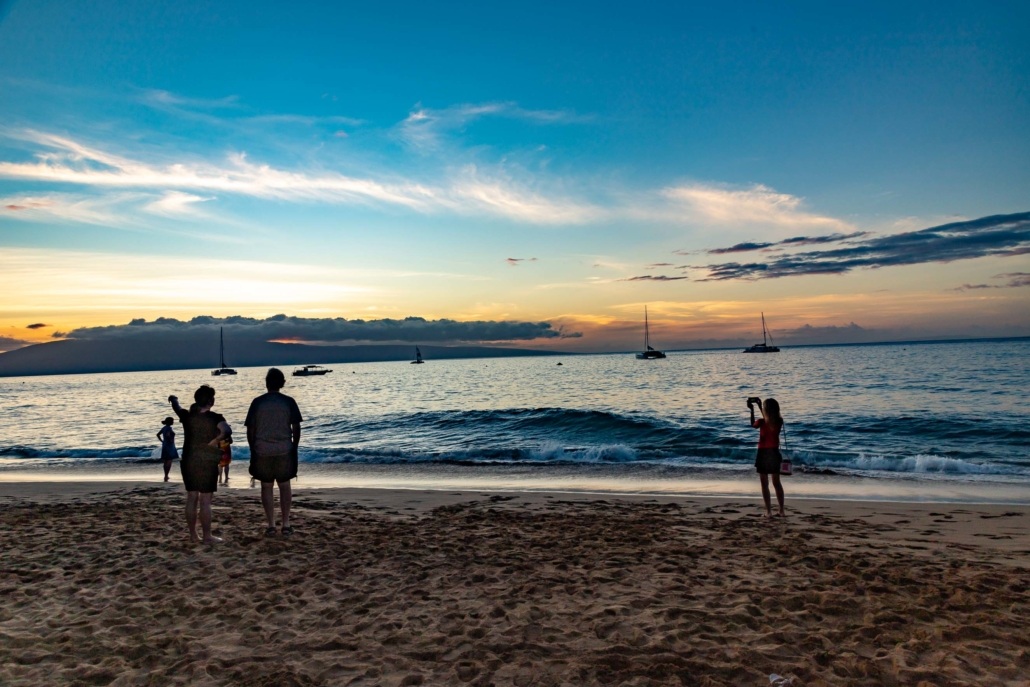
<point x="768" y="436"/>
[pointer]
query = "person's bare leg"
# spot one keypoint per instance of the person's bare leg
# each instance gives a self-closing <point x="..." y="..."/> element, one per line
<point x="226" y="474"/>
<point x="766" y="495"/>
<point x="285" y="501"/>
<point x="191" y="514"/>
<point x="268" y="501"/>
<point x="205" y="518"/>
<point x="168" y="469"/>
<point x="779" y="494"/>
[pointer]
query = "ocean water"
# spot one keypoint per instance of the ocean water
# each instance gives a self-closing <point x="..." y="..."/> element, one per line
<point x="941" y="411"/>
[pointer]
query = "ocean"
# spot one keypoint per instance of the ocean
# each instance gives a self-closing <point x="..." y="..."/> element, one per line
<point x="912" y="413"/>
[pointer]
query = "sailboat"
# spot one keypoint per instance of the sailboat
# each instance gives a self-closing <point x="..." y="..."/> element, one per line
<point x="763" y="347"/>
<point x="223" y="370"/>
<point x="418" y="357"/>
<point x="648" y="353"/>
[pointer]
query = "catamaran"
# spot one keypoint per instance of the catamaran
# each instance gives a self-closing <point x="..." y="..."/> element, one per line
<point x="648" y="353"/>
<point x="418" y="357"/>
<point x="763" y="347"/>
<point x="223" y="370"/>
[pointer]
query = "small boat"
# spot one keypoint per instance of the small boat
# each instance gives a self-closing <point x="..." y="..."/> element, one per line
<point x="763" y="347"/>
<point x="311" y="371"/>
<point x="648" y="353"/>
<point x="223" y="370"/>
<point x="418" y="357"/>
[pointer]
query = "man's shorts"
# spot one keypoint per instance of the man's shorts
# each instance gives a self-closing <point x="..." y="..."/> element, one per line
<point x="279" y="468"/>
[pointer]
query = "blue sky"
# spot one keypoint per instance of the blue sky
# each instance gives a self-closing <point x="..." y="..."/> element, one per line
<point x="523" y="161"/>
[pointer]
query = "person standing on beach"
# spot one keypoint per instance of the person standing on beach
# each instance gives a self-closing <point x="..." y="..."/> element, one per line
<point x="768" y="458"/>
<point x="168" y="451"/>
<point x="204" y="430"/>
<point x="223" y="464"/>
<point x="273" y="432"/>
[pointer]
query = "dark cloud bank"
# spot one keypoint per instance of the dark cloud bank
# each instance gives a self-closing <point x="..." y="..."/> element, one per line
<point x="324" y="330"/>
<point x="168" y="344"/>
<point x="653" y="277"/>
<point x="9" y="344"/>
<point x="997" y="235"/>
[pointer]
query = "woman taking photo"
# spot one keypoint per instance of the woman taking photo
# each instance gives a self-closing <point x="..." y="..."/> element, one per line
<point x="768" y="458"/>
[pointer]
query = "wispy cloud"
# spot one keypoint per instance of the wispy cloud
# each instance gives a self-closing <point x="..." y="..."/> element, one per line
<point x="162" y="98"/>
<point x="1013" y="280"/>
<point x="448" y="183"/>
<point x="652" y="277"/>
<point x="424" y="128"/>
<point x="305" y="120"/>
<point x="997" y="235"/>
<point x="66" y="161"/>
<point x="66" y="207"/>
<point x="178" y="203"/>
<point x="74" y="163"/>
<point x="231" y="113"/>
<point x="757" y="205"/>
<point x="514" y="262"/>
<point x="475" y="192"/>
<point x="37" y="325"/>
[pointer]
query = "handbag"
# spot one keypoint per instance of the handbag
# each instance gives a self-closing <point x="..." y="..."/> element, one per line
<point x="786" y="466"/>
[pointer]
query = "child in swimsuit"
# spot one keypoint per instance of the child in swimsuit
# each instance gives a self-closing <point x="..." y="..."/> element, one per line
<point x="223" y="464"/>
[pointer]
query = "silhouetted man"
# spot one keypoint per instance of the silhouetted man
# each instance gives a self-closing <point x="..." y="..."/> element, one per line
<point x="273" y="432"/>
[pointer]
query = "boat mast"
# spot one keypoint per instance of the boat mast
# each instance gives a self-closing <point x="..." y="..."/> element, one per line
<point x="221" y="347"/>
<point x="647" y="333"/>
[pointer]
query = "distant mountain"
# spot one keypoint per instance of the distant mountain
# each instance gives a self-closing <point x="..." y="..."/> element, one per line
<point x="73" y="356"/>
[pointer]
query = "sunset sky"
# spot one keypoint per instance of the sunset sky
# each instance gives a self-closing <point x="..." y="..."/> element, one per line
<point x="858" y="173"/>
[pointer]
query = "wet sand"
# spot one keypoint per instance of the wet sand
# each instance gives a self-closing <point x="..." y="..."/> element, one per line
<point x="100" y="585"/>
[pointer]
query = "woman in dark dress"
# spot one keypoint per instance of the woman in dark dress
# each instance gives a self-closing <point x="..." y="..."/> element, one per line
<point x="203" y="429"/>
<point x="768" y="458"/>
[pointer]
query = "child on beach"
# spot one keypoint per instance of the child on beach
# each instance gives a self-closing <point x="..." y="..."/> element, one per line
<point x="768" y="458"/>
<point x="223" y="464"/>
<point x="168" y="451"/>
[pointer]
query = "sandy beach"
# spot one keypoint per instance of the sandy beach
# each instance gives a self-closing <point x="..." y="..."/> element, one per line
<point x="99" y="585"/>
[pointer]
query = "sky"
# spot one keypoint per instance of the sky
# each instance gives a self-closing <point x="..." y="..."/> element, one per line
<point x="528" y="174"/>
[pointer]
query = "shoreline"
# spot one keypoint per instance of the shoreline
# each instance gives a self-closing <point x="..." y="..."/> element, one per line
<point x="600" y="479"/>
<point x="408" y="587"/>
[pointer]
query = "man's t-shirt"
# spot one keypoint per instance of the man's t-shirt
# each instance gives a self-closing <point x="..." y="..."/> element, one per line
<point x="270" y="416"/>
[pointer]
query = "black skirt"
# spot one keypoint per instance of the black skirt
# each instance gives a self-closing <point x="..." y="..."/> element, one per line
<point x="200" y="473"/>
<point x="767" y="461"/>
